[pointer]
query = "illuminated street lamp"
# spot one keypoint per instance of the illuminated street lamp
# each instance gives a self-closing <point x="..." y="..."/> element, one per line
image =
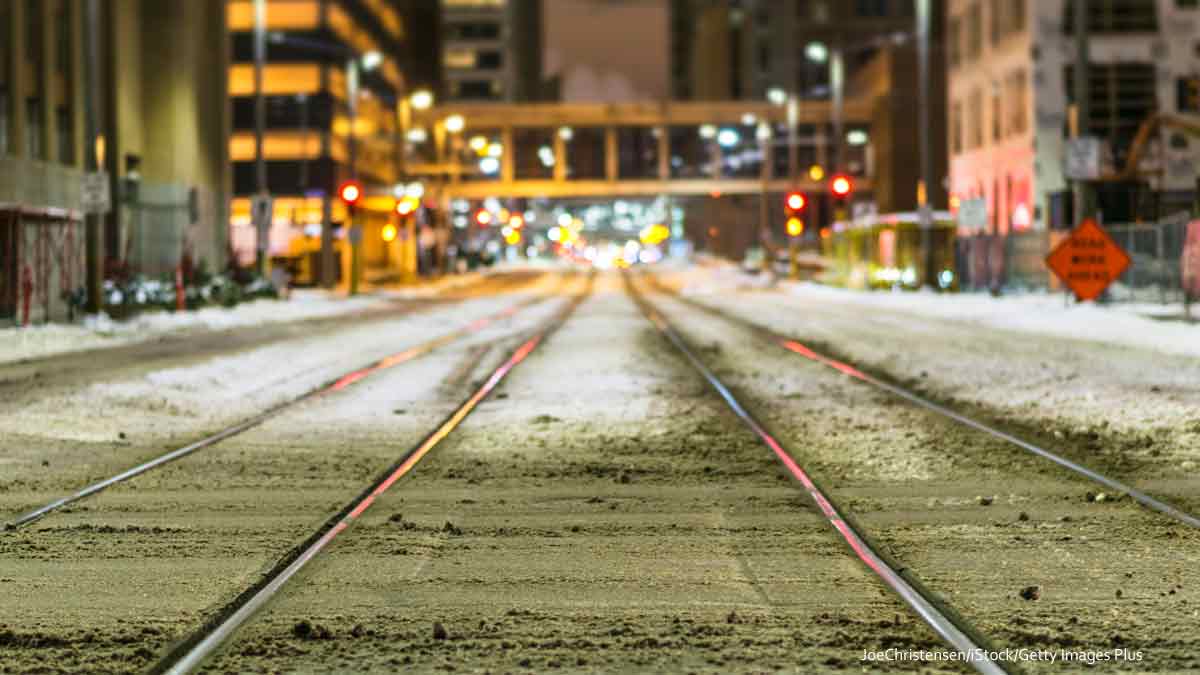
<point x="455" y="123"/>
<point x="421" y="99"/>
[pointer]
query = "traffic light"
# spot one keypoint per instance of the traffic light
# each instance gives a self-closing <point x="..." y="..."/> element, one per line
<point x="841" y="187"/>
<point x="483" y="217"/>
<point x="406" y="206"/>
<point x="795" y="202"/>
<point x="795" y="226"/>
<point x="388" y="233"/>
<point x="350" y="192"/>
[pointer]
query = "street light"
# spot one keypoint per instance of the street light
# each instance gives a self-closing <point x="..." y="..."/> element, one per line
<point x="455" y="123"/>
<point x="421" y="99"/>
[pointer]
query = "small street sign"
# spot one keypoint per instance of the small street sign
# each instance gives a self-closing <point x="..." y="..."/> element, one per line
<point x="261" y="212"/>
<point x="972" y="213"/>
<point x="94" y="193"/>
<point x="1088" y="260"/>
<point x="1082" y="161"/>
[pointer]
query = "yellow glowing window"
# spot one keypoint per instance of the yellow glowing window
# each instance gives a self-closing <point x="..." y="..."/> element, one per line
<point x="291" y="78"/>
<point x="459" y="58"/>
<point x="276" y="145"/>
<point x="281" y="15"/>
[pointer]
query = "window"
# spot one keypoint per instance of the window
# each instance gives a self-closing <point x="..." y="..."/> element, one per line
<point x="1018" y="120"/>
<point x="477" y="30"/>
<point x="975" y="120"/>
<point x="62" y="27"/>
<point x="954" y="41"/>
<point x="956" y="128"/>
<point x="997" y="20"/>
<point x="1114" y="16"/>
<point x="1121" y="96"/>
<point x="974" y="31"/>
<point x="997" y="116"/>
<point x="871" y="8"/>
<point x="459" y="58"/>
<point x="490" y="59"/>
<point x="33" y="31"/>
<point x="66" y="134"/>
<point x="1187" y="94"/>
<point x="33" y="128"/>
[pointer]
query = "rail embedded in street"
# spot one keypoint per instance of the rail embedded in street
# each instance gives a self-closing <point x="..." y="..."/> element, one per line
<point x="334" y="385"/>
<point x="192" y="652"/>
<point x="953" y="630"/>
<point x="797" y="347"/>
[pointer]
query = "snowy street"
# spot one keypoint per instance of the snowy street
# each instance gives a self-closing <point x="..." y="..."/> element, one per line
<point x="588" y="501"/>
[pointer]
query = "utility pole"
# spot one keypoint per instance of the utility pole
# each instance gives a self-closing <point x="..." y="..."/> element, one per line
<point x="925" y="212"/>
<point x="1084" y="200"/>
<point x="91" y="93"/>
<point x="260" y="123"/>
<point x="355" y="231"/>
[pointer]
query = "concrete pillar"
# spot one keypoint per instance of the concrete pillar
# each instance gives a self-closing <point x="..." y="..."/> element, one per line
<point x="18" y="79"/>
<point x="507" y="158"/>
<point x="611" y="154"/>
<point x="49" y="79"/>
<point x="560" y="157"/>
<point x="664" y="153"/>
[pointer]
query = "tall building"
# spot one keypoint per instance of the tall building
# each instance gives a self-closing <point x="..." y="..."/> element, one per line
<point x="1011" y="66"/>
<point x="161" y="124"/>
<point x="491" y="50"/>
<point x="320" y="55"/>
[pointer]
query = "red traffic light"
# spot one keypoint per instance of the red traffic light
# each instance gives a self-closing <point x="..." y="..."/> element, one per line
<point x="841" y="186"/>
<point x="350" y="192"/>
<point x="483" y="217"/>
<point x="795" y="201"/>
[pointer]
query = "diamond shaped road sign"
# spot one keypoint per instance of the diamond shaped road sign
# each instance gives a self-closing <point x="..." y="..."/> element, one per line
<point x="1088" y="260"/>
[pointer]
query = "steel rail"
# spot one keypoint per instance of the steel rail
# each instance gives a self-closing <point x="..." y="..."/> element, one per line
<point x="336" y="384"/>
<point x="975" y="654"/>
<point x="800" y="348"/>
<point x="192" y="652"/>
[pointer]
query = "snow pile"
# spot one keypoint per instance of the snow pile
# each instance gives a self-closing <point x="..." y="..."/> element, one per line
<point x="97" y="331"/>
<point x="1036" y="313"/>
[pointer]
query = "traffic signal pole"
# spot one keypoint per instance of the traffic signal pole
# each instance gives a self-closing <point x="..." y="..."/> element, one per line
<point x="924" y="210"/>
<point x="354" y="230"/>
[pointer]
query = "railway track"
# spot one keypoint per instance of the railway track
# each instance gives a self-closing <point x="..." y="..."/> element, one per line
<point x="884" y="384"/>
<point x="336" y="384"/>
<point x="934" y="611"/>
<point x="195" y="649"/>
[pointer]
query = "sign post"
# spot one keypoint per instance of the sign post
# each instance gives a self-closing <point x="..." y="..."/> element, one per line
<point x="1088" y="261"/>
<point x="94" y="194"/>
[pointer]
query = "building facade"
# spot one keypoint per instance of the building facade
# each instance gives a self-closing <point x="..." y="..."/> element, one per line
<point x="1010" y="89"/>
<point x="320" y="56"/>
<point x="491" y="50"/>
<point x="161" y="124"/>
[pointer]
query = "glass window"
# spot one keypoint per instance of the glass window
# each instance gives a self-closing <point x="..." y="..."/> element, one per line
<point x="62" y="27"/>
<point x="33" y="31"/>
<point x="66" y="134"/>
<point x="974" y="31"/>
<point x="33" y="128"/>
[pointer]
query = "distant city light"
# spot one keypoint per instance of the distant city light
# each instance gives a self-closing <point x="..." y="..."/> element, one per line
<point x="749" y="119"/>
<point x="415" y="190"/>
<point x="727" y="138"/>
<point x="777" y="95"/>
<point x="455" y="123"/>
<point x="763" y="132"/>
<point x="856" y="137"/>
<point x="489" y="165"/>
<point x="495" y="150"/>
<point x="566" y="133"/>
<point x="816" y="52"/>
<point x="417" y="135"/>
<point x="816" y="172"/>
<point x="708" y="131"/>
<point x="421" y="99"/>
<point x="371" y="60"/>
<point x="477" y="143"/>
<point x="565" y="220"/>
<point x="554" y="234"/>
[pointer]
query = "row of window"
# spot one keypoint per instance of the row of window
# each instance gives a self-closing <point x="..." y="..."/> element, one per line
<point x="1005" y="17"/>
<point x="33" y="144"/>
<point x="1009" y="114"/>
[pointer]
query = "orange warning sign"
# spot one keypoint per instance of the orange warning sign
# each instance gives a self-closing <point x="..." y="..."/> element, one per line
<point x="1088" y="260"/>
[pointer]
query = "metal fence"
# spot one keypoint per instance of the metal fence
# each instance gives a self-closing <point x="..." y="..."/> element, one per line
<point x="1016" y="261"/>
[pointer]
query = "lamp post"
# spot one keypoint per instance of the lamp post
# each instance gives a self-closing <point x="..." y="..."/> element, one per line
<point x="419" y="100"/>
